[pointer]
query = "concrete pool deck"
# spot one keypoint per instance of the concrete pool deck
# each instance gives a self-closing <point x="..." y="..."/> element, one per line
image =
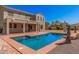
<point x="72" y="48"/>
<point x="26" y="50"/>
<point x="67" y="48"/>
<point x="6" y="48"/>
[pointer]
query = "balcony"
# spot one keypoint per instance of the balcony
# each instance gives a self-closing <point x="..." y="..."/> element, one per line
<point x="15" y="16"/>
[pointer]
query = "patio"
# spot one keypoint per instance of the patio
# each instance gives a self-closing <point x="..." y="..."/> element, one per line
<point x="67" y="48"/>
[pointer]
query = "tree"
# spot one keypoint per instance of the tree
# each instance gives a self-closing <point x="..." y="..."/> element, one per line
<point x="47" y="25"/>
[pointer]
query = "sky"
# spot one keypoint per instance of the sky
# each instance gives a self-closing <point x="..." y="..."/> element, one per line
<point x="67" y="13"/>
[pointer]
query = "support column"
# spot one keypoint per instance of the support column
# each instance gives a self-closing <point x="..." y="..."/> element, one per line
<point x="32" y="27"/>
<point x="36" y="27"/>
<point x="4" y="28"/>
<point x="40" y="28"/>
<point x="44" y="27"/>
<point x="43" y="24"/>
<point x="24" y="27"/>
<point x="7" y="27"/>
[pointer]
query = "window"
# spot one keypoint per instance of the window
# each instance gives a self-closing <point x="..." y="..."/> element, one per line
<point x="21" y="26"/>
<point x="10" y="25"/>
<point x="41" y="27"/>
<point x="41" y="18"/>
<point x="27" y="17"/>
<point x="15" y="25"/>
<point x="38" y="18"/>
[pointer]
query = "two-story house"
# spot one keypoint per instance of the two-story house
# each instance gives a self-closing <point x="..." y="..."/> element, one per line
<point x="17" y="21"/>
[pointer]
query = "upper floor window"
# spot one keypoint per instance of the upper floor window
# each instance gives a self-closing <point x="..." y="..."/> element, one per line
<point x="39" y="17"/>
<point x="15" y="25"/>
<point x="30" y="18"/>
<point x="43" y="19"/>
<point x="27" y="17"/>
<point x="10" y="14"/>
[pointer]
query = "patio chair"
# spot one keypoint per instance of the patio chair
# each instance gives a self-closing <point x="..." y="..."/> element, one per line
<point x="77" y="36"/>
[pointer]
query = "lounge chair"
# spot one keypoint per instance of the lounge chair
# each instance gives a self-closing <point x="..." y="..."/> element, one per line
<point x="77" y="36"/>
<point x="73" y="38"/>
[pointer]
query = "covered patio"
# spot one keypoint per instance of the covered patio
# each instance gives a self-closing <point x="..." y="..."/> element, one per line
<point x="21" y="26"/>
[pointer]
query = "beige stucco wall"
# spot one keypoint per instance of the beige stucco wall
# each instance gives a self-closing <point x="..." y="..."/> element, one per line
<point x="1" y="18"/>
<point x="5" y="14"/>
<point x="40" y="20"/>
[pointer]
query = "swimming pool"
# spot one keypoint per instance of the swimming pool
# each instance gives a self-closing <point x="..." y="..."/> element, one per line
<point x="38" y="42"/>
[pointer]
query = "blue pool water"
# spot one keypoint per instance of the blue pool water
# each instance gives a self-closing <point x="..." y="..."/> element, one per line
<point x="40" y="41"/>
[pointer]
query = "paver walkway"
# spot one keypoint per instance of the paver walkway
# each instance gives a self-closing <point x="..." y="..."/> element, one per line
<point x="6" y="48"/>
<point x="67" y="48"/>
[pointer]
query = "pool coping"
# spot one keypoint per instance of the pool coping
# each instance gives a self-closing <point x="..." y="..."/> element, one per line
<point x="22" y="49"/>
